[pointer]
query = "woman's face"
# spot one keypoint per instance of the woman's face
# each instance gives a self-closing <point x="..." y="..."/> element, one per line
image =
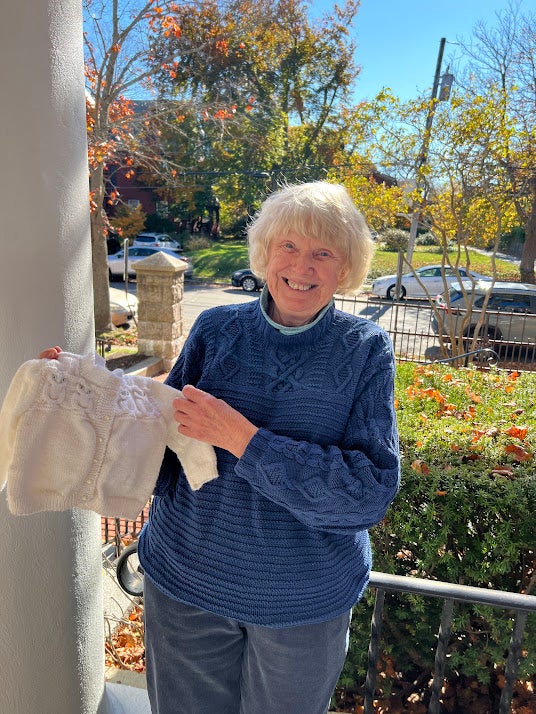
<point x="302" y="275"/>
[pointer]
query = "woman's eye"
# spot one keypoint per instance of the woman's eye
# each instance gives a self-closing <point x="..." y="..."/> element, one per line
<point x="288" y="246"/>
<point x="323" y="254"/>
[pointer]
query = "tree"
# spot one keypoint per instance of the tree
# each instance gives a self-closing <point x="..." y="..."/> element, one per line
<point x="276" y="82"/>
<point x="118" y="59"/>
<point x="504" y="58"/>
<point x="128" y="222"/>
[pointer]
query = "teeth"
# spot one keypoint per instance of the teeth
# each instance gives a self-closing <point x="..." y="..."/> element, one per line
<point x="297" y="286"/>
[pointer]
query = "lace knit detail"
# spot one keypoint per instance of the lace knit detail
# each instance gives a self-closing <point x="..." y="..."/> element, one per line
<point x="280" y="538"/>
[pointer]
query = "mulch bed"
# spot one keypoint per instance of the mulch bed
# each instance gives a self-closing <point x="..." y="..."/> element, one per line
<point x="124" y="361"/>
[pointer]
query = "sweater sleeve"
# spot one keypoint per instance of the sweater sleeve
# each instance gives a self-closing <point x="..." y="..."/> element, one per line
<point x="338" y="488"/>
<point x="183" y="372"/>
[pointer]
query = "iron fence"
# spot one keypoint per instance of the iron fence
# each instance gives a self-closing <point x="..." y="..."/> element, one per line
<point x="521" y="606"/>
<point x="412" y="325"/>
<point x="114" y="530"/>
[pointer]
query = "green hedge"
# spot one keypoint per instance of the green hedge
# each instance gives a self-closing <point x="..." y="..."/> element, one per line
<point x="464" y="514"/>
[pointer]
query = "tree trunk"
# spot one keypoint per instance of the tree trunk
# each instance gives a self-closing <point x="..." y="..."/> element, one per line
<point x="528" y="255"/>
<point x="101" y="293"/>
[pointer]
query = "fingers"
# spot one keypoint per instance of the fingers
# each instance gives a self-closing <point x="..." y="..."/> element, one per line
<point x="50" y="353"/>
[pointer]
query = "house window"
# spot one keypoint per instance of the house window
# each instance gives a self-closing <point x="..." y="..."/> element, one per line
<point x="133" y="203"/>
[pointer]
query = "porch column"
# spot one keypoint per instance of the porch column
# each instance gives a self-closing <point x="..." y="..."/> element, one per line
<point x="51" y="627"/>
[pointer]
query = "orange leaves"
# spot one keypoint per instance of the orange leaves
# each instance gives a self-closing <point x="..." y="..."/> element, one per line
<point x="518" y="452"/>
<point x="225" y="113"/>
<point x="170" y="27"/>
<point x="517" y="432"/>
<point x="492" y="433"/>
<point x="472" y="396"/>
<point x="125" y="648"/>
<point x="434" y="394"/>
<point x="420" y="467"/>
<point x="481" y="431"/>
<point x="222" y="47"/>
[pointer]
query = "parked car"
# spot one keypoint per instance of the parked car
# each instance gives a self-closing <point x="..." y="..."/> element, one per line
<point x="156" y="240"/>
<point x="116" y="262"/>
<point x="122" y="307"/>
<point x="431" y="277"/>
<point x="247" y="280"/>
<point x="510" y="315"/>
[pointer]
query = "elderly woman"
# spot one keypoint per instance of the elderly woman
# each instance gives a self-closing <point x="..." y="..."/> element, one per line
<point x="250" y="581"/>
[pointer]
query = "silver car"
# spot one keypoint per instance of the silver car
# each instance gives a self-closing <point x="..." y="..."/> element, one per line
<point x="509" y="317"/>
<point x="432" y="277"/>
<point x="156" y="240"/>
<point x="116" y="262"/>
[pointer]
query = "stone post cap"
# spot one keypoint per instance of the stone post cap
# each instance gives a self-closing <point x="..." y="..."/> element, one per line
<point x="160" y="262"/>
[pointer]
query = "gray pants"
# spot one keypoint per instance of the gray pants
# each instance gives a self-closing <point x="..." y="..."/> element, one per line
<point x="200" y="663"/>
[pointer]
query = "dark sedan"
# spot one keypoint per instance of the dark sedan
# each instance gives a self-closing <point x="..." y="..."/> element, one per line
<point x="247" y="280"/>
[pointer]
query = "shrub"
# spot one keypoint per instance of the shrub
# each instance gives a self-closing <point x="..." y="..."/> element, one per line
<point x="196" y="242"/>
<point x="395" y="239"/>
<point x="427" y="238"/>
<point x="464" y="514"/>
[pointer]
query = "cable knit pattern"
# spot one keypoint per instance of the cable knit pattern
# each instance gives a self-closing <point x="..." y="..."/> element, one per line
<point x="74" y="434"/>
<point x="280" y="538"/>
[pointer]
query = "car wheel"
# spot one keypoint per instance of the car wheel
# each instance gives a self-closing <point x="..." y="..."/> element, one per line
<point x="391" y="292"/>
<point x="249" y="284"/>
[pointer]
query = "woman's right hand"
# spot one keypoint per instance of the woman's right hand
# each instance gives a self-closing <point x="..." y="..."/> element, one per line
<point x="50" y="353"/>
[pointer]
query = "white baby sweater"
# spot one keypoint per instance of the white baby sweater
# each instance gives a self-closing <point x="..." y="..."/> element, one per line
<point x="74" y="434"/>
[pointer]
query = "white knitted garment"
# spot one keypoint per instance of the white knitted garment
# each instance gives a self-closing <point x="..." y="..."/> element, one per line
<point x="74" y="434"/>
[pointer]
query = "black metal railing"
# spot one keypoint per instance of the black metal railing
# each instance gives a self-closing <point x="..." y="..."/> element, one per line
<point x="102" y="346"/>
<point x="115" y="530"/>
<point x="410" y="323"/>
<point x="522" y="605"/>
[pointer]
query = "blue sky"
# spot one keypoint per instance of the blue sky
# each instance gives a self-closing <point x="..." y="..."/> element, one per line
<point x="398" y="40"/>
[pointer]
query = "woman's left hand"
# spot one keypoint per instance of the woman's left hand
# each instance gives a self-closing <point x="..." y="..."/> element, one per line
<point x="50" y="353"/>
<point x="206" y="418"/>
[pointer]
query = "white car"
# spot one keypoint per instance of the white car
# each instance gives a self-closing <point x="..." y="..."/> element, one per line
<point x="431" y="277"/>
<point x="116" y="262"/>
<point x="156" y="240"/>
<point x="123" y="307"/>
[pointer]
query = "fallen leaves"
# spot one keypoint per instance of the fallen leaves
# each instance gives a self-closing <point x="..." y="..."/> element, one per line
<point x="518" y="453"/>
<point x="125" y="648"/>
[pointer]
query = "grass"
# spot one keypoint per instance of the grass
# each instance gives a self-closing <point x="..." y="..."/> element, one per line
<point x="219" y="260"/>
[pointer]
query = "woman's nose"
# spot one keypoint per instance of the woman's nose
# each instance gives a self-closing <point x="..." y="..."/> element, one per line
<point x="304" y="261"/>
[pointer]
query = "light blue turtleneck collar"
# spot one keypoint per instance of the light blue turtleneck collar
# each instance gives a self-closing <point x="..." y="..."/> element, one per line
<point x="284" y="330"/>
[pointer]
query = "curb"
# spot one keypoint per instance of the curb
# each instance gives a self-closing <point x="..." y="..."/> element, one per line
<point x="149" y="367"/>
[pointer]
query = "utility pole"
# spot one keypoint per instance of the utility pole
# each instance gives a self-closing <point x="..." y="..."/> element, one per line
<point x="423" y="154"/>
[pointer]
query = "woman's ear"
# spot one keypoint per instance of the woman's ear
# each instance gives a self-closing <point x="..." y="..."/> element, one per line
<point x="343" y="274"/>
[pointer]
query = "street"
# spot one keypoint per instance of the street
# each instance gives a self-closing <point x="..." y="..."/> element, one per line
<point x="407" y="322"/>
<point x="199" y="297"/>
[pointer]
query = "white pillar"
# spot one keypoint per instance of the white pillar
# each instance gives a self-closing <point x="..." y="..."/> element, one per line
<point x="51" y="629"/>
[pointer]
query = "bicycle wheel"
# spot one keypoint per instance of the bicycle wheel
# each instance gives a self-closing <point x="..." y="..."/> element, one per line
<point x="129" y="571"/>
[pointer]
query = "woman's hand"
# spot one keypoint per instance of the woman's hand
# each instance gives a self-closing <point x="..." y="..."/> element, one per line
<point x="206" y="418"/>
<point x="50" y="353"/>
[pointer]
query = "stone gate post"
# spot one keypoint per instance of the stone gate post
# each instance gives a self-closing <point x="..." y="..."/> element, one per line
<point x="160" y="279"/>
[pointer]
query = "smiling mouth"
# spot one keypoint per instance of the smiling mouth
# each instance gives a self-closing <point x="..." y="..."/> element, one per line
<point x="298" y="286"/>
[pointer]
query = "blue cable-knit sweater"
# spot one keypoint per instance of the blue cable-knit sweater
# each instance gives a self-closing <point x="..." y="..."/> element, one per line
<point x="280" y="537"/>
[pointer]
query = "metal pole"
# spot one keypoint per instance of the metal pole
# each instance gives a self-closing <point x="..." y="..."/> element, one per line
<point x="421" y="159"/>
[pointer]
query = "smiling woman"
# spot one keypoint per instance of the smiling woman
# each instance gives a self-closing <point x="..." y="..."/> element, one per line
<point x="297" y="396"/>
